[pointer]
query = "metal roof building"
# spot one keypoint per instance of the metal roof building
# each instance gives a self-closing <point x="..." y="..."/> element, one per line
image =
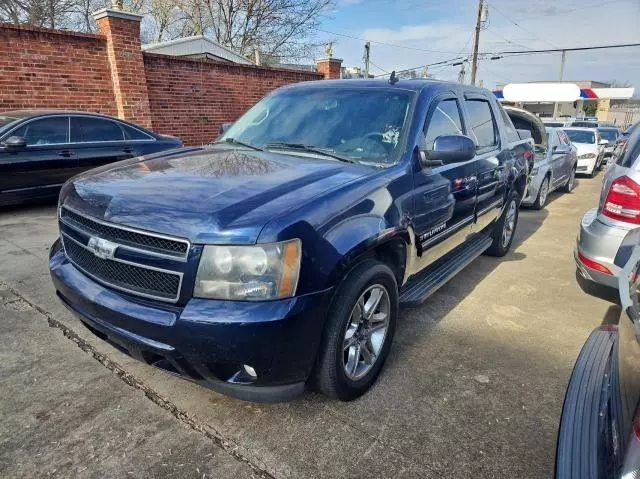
<point x="197" y="47"/>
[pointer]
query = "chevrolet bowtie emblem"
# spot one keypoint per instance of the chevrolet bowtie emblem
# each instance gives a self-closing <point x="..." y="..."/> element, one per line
<point x="102" y="248"/>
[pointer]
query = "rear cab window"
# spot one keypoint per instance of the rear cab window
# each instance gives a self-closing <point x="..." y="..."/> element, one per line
<point x="482" y="125"/>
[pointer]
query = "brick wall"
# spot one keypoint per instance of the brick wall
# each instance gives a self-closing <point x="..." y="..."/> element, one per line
<point x="41" y="68"/>
<point x="192" y="98"/>
<point x="109" y="73"/>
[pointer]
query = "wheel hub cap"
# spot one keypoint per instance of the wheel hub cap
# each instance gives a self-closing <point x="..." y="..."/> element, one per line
<point x="366" y="331"/>
<point x="509" y="223"/>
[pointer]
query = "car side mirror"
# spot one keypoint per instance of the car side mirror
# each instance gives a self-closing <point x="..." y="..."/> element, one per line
<point x="603" y="142"/>
<point x="448" y="149"/>
<point x="224" y="127"/>
<point x="15" y="143"/>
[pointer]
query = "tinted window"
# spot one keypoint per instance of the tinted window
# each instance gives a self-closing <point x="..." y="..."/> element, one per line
<point x="86" y="129"/>
<point x="47" y="131"/>
<point x="581" y="136"/>
<point x="563" y="137"/>
<point x="631" y="152"/>
<point x="553" y="124"/>
<point x="512" y="134"/>
<point x="131" y="133"/>
<point x="609" y="134"/>
<point x="482" y="123"/>
<point x="445" y="120"/>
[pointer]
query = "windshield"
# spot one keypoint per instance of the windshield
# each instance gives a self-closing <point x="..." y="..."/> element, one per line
<point x="553" y="123"/>
<point x="364" y="124"/>
<point x="581" y="136"/>
<point x="609" y="134"/>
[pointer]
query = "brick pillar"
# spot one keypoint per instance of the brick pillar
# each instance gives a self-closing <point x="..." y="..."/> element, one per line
<point x="122" y="32"/>
<point x="329" y="67"/>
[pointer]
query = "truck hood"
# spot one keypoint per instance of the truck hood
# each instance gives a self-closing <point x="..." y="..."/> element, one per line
<point x="207" y="195"/>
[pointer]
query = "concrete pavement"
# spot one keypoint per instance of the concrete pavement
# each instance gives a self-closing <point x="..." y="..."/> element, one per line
<point x="473" y="386"/>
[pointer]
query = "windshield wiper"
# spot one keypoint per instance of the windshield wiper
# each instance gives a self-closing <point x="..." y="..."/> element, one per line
<point x="233" y="141"/>
<point x="311" y="149"/>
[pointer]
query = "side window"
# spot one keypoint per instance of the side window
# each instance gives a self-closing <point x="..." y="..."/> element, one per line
<point x="445" y="120"/>
<point x="131" y="133"/>
<point x="86" y="129"/>
<point x="482" y="123"/>
<point x="48" y="131"/>
<point x="512" y="134"/>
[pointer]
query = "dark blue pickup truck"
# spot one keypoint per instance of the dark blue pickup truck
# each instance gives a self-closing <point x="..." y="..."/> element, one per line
<point x="279" y="255"/>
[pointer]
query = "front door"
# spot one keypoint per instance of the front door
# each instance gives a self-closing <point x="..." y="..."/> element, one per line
<point x="444" y="196"/>
<point x="489" y="161"/>
<point x="46" y="162"/>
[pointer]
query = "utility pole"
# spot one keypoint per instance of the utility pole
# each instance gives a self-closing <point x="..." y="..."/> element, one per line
<point x="556" y="111"/>
<point x="367" y="55"/>
<point x="474" y="64"/>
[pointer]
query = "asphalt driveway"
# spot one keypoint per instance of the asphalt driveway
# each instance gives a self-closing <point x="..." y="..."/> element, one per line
<point x="473" y="386"/>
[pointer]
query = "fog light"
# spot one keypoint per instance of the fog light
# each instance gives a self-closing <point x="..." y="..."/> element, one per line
<point x="250" y="371"/>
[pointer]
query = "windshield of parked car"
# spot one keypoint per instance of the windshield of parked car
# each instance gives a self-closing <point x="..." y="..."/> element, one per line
<point x="581" y="136"/>
<point x="553" y="124"/>
<point x="609" y="134"/>
<point x="363" y="124"/>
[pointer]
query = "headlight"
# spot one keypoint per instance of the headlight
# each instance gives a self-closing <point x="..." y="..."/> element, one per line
<point x="256" y="272"/>
<point x="587" y="156"/>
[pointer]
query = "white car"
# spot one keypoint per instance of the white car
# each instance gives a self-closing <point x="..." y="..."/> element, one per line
<point x="590" y="147"/>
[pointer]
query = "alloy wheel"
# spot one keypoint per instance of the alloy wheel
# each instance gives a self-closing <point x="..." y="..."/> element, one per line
<point x="366" y="331"/>
<point x="509" y="223"/>
<point x="572" y="179"/>
<point x="544" y="191"/>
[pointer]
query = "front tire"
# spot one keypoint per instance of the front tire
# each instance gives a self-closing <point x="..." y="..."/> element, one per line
<point x="571" y="182"/>
<point x="505" y="228"/>
<point x="543" y="192"/>
<point x="359" y="331"/>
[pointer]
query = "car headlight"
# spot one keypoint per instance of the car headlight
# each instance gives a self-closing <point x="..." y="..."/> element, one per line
<point x="587" y="156"/>
<point x="257" y="272"/>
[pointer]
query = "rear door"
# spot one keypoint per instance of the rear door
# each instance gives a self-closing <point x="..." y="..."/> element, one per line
<point x="444" y="196"/>
<point x="98" y="141"/>
<point x="44" y="164"/>
<point x="489" y="164"/>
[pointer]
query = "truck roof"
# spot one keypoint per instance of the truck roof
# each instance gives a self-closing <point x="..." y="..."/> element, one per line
<point x="415" y="85"/>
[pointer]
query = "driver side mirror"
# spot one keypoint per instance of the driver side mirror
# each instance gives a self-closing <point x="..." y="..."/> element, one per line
<point x="448" y="149"/>
<point x="224" y="127"/>
<point x="15" y="143"/>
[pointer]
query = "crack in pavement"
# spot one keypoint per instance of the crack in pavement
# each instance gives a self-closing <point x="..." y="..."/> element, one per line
<point x="227" y="445"/>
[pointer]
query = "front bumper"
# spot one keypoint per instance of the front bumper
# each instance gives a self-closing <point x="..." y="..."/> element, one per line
<point x="205" y="341"/>
<point x="586" y="165"/>
<point x="600" y="243"/>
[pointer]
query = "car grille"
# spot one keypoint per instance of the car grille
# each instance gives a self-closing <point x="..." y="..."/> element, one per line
<point x="120" y="273"/>
<point x="152" y="243"/>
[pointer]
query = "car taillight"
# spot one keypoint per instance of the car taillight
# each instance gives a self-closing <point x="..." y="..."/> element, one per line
<point x="594" y="264"/>
<point x="623" y="201"/>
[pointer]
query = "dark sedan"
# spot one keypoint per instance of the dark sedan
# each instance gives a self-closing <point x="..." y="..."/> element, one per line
<point x="40" y="150"/>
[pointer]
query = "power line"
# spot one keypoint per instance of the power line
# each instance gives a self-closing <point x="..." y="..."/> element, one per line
<point x="428" y="65"/>
<point x="379" y="68"/>
<point x="573" y="49"/>
<point x="507" y="40"/>
<point x="571" y="10"/>
<point x="395" y="45"/>
<point x="519" y="26"/>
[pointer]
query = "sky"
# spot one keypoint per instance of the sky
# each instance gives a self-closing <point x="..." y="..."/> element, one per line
<point x="429" y="31"/>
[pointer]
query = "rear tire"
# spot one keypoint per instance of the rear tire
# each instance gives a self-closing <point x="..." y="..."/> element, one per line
<point x="337" y="373"/>
<point x="505" y="228"/>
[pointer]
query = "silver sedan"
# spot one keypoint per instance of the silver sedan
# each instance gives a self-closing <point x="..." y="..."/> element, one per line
<point x="603" y="229"/>
<point x="554" y="167"/>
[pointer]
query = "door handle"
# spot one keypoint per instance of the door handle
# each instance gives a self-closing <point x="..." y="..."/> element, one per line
<point x="127" y="149"/>
<point x="66" y="154"/>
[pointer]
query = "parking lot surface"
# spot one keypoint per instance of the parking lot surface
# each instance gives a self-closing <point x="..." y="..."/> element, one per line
<point x="473" y="386"/>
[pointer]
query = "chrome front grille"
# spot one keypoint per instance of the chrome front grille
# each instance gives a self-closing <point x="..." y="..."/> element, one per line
<point x="119" y="271"/>
<point x="158" y="244"/>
